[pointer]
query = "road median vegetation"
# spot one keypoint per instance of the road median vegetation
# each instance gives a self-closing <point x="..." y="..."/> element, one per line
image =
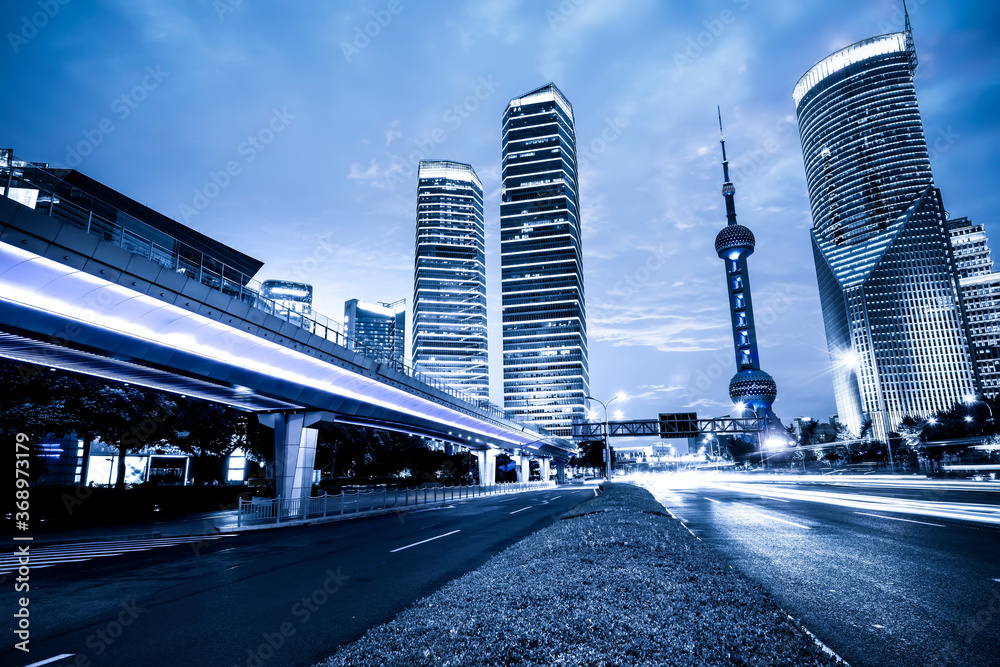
<point x="616" y="581"/>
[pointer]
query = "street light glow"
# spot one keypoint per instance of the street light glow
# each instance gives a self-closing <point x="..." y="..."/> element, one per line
<point x="969" y="399"/>
<point x="968" y="418"/>
<point x="847" y="359"/>
<point x="775" y="443"/>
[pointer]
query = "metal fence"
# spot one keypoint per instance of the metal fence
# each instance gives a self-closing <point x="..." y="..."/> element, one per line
<point x="354" y="501"/>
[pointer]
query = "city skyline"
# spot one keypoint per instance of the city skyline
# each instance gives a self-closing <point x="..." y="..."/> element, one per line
<point x="652" y="278"/>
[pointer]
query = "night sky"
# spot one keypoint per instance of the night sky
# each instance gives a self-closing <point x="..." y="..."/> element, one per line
<point x="284" y="130"/>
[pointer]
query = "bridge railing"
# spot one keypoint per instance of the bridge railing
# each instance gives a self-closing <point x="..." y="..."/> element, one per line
<point x="32" y="184"/>
<point x="355" y="501"/>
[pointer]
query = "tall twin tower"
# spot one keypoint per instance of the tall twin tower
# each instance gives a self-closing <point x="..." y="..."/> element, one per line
<point x="545" y="368"/>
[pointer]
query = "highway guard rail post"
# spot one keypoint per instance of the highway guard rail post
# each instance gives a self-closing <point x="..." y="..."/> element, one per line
<point x="260" y="511"/>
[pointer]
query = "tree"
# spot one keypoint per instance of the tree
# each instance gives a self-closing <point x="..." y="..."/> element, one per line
<point x="207" y="431"/>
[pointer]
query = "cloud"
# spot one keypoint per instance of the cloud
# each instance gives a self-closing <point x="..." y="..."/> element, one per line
<point x="392" y="132"/>
<point x="372" y="173"/>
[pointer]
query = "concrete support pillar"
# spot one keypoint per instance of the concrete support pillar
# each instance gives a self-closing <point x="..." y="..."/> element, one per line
<point x="449" y="449"/>
<point x="543" y="468"/>
<point x="523" y="467"/>
<point x="294" y="452"/>
<point x="560" y="471"/>
<point x="487" y="466"/>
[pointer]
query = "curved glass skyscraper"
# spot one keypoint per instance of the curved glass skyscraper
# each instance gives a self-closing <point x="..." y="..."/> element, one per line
<point x="449" y="283"/>
<point x="895" y="325"/>
<point x="545" y="370"/>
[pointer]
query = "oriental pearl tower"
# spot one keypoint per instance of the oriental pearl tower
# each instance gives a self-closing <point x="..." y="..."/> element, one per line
<point x="751" y="388"/>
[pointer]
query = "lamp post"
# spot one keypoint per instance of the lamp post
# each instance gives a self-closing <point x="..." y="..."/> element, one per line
<point x="604" y="425"/>
<point x="970" y="399"/>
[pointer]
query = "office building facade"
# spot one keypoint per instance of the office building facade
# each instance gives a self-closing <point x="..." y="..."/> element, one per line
<point x="980" y="288"/>
<point x="450" y="338"/>
<point x="290" y="301"/>
<point x="377" y="330"/>
<point x="895" y="326"/>
<point x="545" y="368"/>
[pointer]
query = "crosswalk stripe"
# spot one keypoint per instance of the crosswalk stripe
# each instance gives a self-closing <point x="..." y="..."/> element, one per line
<point x="43" y="556"/>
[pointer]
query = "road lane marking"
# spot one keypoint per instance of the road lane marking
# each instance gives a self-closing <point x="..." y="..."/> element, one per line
<point x="555" y="498"/>
<point x="790" y="523"/>
<point x="521" y="510"/>
<point x="713" y="500"/>
<point x="997" y="580"/>
<point x="893" y="518"/>
<point x="430" y="539"/>
<point x="45" y="662"/>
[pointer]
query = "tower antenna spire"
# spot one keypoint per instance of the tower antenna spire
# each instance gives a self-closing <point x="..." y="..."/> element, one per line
<point x="911" y="49"/>
<point x="722" y="139"/>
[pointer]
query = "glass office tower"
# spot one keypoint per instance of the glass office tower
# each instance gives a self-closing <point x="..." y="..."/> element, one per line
<point x="449" y="283"/>
<point x="376" y="330"/>
<point x="545" y="370"/>
<point x="895" y="326"/>
<point x="980" y="286"/>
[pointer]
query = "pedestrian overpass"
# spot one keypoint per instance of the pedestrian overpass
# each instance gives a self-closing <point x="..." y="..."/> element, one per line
<point x="104" y="305"/>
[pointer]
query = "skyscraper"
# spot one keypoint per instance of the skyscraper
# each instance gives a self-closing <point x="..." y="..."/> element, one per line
<point x="895" y="327"/>
<point x="545" y="369"/>
<point x="980" y="287"/>
<point x="377" y="329"/>
<point x="750" y="388"/>
<point x="449" y="281"/>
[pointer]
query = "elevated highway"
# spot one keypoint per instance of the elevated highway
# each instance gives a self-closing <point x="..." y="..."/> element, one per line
<point x="72" y="300"/>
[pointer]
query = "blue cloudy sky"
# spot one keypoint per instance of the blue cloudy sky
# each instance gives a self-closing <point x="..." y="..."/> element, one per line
<point x="320" y="127"/>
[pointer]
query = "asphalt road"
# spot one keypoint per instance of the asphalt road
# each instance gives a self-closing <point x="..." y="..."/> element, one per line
<point x="287" y="596"/>
<point x="885" y="575"/>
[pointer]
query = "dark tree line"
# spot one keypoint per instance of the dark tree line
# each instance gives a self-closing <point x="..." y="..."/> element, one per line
<point x="50" y="403"/>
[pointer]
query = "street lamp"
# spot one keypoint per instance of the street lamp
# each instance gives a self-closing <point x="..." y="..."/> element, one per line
<point x="970" y="399"/>
<point x="607" y="448"/>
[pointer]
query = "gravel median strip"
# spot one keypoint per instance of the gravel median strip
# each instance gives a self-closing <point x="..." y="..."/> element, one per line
<point x="616" y="582"/>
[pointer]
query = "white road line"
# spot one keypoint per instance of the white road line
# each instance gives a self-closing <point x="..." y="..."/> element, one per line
<point x="521" y="510"/>
<point x="713" y="500"/>
<point x="45" y="662"/>
<point x="892" y="518"/>
<point x="790" y="523"/>
<point x="997" y="580"/>
<point x="555" y="498"/>
<point x="431" y="539"/>
<point x="781" y="500"/>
